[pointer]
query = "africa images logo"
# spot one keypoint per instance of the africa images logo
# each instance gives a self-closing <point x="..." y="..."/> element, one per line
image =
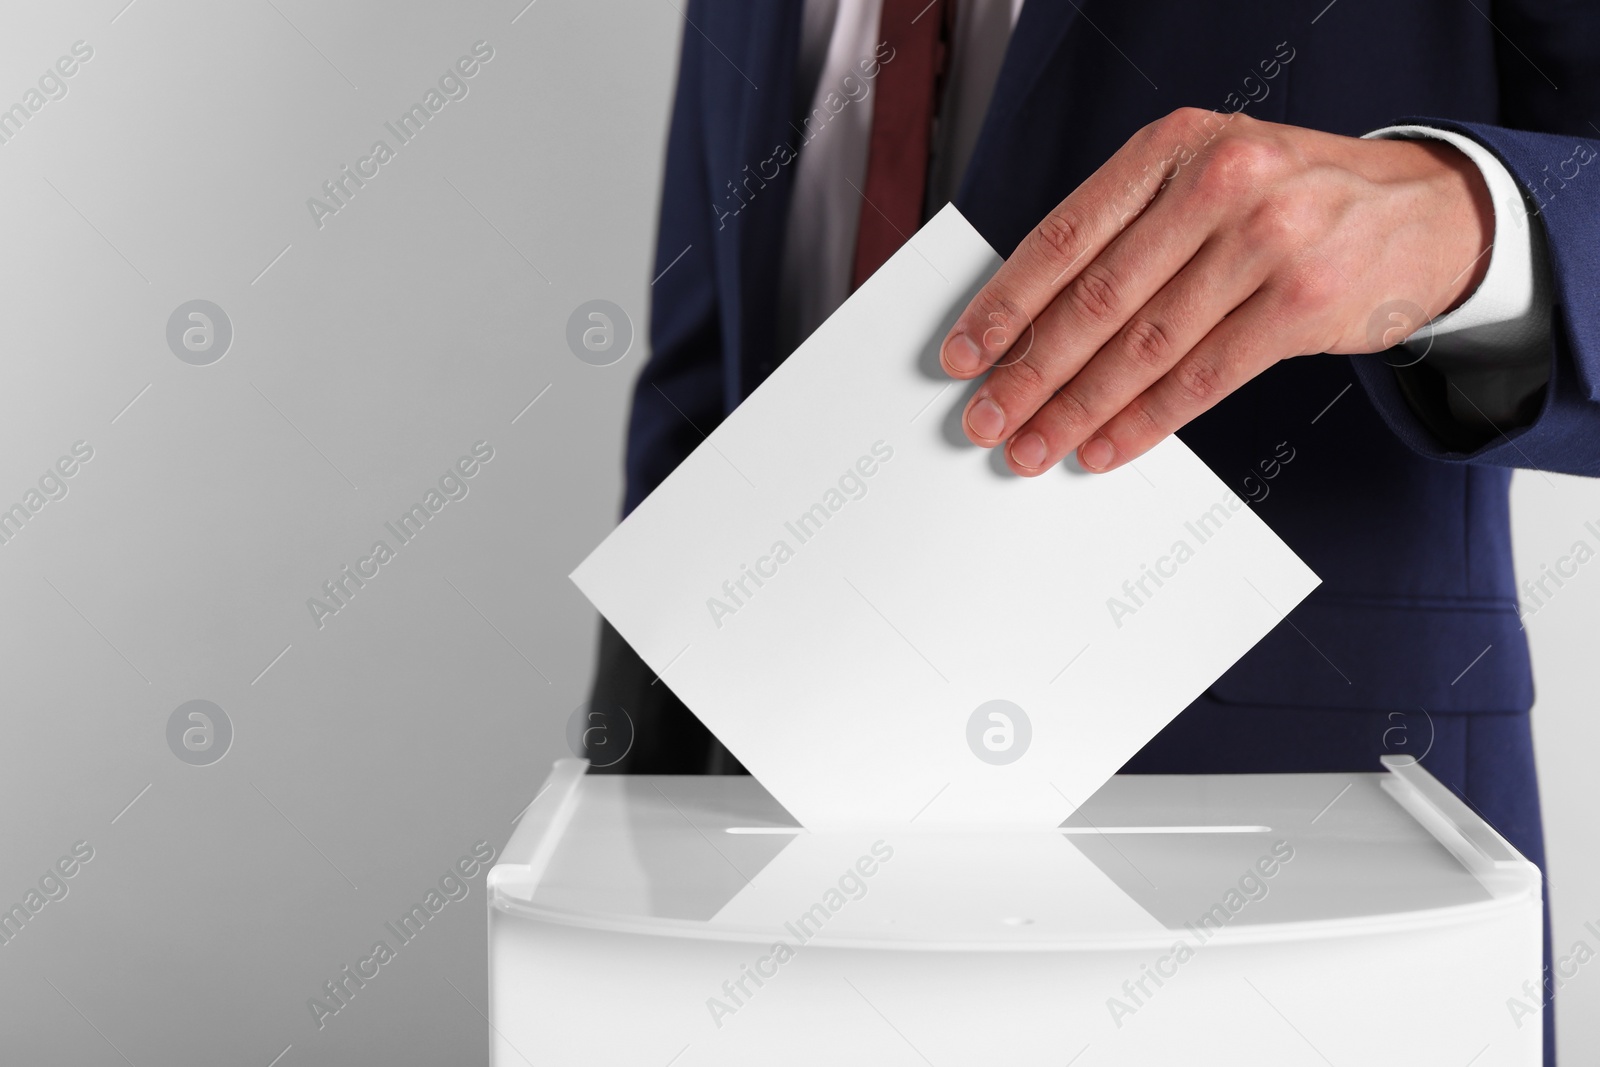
<point x="453" y="85"/>
<point x="851" y="485"/>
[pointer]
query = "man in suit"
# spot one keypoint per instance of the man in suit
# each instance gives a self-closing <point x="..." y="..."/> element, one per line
<point x="1186" y="200"/>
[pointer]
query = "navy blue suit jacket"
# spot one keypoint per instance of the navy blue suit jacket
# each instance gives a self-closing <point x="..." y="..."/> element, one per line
<point x="1409" y="534"/>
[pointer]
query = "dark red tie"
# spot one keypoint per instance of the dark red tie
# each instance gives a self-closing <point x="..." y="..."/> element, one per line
<point x="902" y="126"/>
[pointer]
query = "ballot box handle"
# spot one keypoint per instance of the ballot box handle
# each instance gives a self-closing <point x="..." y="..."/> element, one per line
<point x="1476" y="844"/>
<point x="527" y="854"/>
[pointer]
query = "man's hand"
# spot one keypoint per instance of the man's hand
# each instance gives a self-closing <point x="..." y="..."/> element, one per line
<point x="1210" y="247"/>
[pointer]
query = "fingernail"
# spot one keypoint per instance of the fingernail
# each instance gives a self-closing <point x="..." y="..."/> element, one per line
<point x="1096" y="454"/>
<point x="986" y="420"/>
<point x="1028" y="451"/>
<point x="961" y="355"/>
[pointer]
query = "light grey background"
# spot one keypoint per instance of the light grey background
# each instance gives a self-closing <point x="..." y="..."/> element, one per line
<point x="422" y="318"/>
<point x="368" y="356"/>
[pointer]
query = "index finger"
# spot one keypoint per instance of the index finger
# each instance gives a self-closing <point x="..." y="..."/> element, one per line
<point x="1056" y="250"/>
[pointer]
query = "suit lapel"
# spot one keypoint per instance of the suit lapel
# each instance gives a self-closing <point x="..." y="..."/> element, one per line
<point x="1036" y="39"/>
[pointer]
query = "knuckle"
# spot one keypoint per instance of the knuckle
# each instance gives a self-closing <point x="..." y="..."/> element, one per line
<point x="1183" y="120"/>
<point x="1238" y="166"/>
<point x="1310" y="289"/>
<point x="1147" y="344"/>
<point x="1024" y="378"/>
<point x="1271" y="229"/>
<point x="1059" y="236"/>
<point x="1139" y="421"/>
<point x="1093" y="294"/>
<point x="1198" y="382"/>
<point x="1069" y="412"/>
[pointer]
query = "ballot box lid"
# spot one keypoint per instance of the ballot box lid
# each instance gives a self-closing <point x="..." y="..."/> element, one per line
<point x="1233" y="857"/>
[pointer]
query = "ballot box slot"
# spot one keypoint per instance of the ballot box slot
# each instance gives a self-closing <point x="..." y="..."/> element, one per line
<point x="1062" y="829"/>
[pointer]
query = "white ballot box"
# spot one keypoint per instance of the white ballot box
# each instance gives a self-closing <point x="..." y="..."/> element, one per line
<point x="1345" y="919"/>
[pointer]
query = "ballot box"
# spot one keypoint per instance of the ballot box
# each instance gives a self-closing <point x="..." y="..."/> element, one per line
<point x="1348" y="919"/>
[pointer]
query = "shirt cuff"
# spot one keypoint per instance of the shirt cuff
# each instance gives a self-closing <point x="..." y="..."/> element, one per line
<point x="1493" y="350"/>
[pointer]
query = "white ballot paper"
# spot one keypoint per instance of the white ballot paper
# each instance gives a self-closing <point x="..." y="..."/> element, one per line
<point x="885" y="625"/>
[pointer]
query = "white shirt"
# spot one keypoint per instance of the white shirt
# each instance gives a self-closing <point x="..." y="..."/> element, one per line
<point x="1494" y="346"/>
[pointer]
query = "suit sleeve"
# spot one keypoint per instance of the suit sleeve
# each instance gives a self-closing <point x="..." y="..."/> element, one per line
<point x="1548" y="68"/>
<point x="678" y="397"/>
<point x="1560" y="176"/>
